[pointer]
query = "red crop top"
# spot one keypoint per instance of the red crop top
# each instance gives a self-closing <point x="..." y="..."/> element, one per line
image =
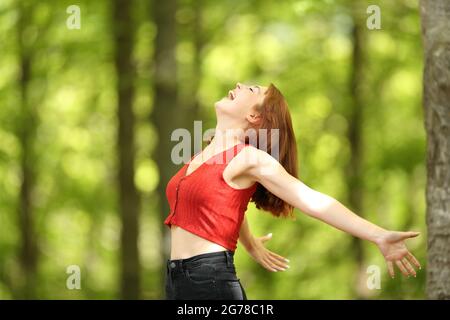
<point x="204" y="204"/>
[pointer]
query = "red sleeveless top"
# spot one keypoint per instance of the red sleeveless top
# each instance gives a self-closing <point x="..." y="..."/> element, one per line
<point x="204" y="204"/>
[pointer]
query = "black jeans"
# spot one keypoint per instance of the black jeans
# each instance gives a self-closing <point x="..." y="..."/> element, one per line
<point x="208" y="276"/>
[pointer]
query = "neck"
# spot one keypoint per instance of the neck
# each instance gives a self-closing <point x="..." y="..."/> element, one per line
<point x="226" y="138"/>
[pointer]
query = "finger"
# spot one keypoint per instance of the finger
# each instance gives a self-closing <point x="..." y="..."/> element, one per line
<point x="401" y="267"/>
<point x="266" y="237"/>
<point x="268" y="265"/>
<point x="278" y="264"/>
<point x="409" y="267"/>
<point x="390" y="266"/>
<point x="410" y="234"/>
<point x="265" y="264"/>
<point x="413" y="260"/>
<point x="282" y="259"/>
<point x="273" y="265"/>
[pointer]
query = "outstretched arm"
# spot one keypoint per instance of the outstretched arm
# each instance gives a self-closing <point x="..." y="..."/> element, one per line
<point x="266" y="170"/>
<point x="255" y="247"/>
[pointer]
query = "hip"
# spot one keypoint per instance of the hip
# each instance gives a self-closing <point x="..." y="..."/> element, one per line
<point x="209" y="276"/>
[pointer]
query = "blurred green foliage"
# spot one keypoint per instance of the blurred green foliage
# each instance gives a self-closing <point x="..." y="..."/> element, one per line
<point x="303" y="47"/>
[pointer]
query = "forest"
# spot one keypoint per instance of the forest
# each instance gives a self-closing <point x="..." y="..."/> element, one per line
<point x="91" y="91"/>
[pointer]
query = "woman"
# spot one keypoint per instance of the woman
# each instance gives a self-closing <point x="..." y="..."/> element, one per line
<point x="209" y="195"/>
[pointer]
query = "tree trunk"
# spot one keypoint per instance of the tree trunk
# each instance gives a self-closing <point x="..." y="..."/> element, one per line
<point x="198" y="47"/>
<point x="164" y="115"/>
<point x="188" y="98"/>
<point x="436" y="103"/>
<point x="354" y="168"/>
<point x="129" y="200"/>
<point x="27" y="126"/>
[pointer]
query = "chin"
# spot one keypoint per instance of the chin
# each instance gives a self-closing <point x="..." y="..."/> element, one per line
<point x="221" y="104"/>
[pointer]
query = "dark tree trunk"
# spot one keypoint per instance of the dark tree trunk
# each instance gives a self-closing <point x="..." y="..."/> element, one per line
<point x="354" y="168"/>
<point x="164" y="115"/>
<point x="27" y="126"/>
<point x="198" y="47"/>
<point x="436" y="103"/>
<point x="129" y="200"/>
<point x="188" y="97"/>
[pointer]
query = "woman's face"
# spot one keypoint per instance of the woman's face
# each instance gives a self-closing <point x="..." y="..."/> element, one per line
<point x="241" y="101"/>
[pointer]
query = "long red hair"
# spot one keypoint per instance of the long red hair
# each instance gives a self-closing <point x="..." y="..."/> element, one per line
<point x="274" y="112"/>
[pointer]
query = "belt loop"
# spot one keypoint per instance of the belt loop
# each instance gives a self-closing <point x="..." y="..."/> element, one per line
<point x="227" y="255"/>
<point x="168" y="272"/>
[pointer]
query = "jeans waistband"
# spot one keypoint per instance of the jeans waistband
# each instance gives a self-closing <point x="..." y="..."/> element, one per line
<point x="210" y="257"/>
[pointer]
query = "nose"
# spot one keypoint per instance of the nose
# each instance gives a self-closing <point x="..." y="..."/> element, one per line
<point x="238" y="85"/>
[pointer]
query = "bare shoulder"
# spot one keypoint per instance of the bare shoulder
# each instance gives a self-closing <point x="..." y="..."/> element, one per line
<point x="250" y="165"/>
<point x="251" y="157"/>
<point x="236" y="173"/>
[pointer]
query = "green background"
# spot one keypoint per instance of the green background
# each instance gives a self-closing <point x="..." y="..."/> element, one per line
<point x="305" y="48"/>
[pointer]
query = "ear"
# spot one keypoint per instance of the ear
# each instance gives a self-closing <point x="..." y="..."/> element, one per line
<point x="254" y="117"/>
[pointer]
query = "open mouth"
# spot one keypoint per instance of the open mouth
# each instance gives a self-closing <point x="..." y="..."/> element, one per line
<point x="231" y="95"/>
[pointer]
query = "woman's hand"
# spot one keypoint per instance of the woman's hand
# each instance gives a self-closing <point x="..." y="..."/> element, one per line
<point x="268" y="259"/>
<point x="392" y="246"/>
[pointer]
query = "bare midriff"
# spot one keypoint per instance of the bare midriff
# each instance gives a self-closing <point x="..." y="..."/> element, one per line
<point x="185" y="244"/>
